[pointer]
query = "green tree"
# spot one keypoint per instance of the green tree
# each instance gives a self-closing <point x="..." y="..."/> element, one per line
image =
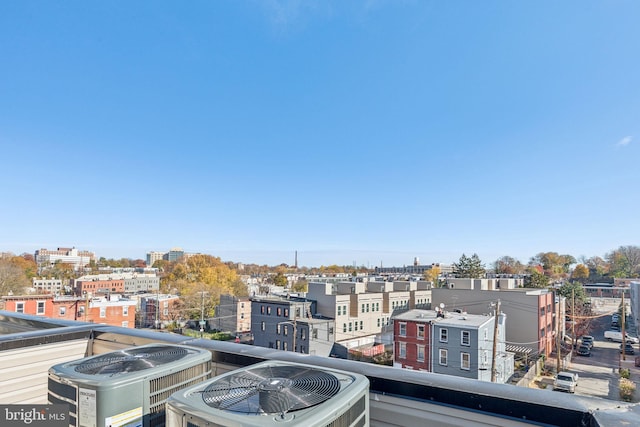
<point x="469" y="267"/>
<point x="508" y="265"/>
<point x="300" y="286"/>
<point x="536" y="279"/>
<point x="280" y="279"/>
<point x="624" y="261"/>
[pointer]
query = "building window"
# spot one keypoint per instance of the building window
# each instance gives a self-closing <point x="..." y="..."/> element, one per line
<point x="377" y="306"/>
<point x="443" y="357"/>
<point x="355" y="326"/>
<point x="344" y="309"/>
<point x="278" y="327"/>
<point x="103" y="312"/>
<point x="402" y="350"/>
<point x="63" y="311"/>
<point x="541" y="332"/>
<point x="367" y="308"/>
<point x="344" y="327"/>
<point x="284" y="345"/>
<point x="465" y="338"/>
<point x="402" y="329"/>
<point x="420" y="332"/>
<point x="279" y="311"/>
<point x="361" y="328"/>
<point x="286" y="330"/>
<point x="303" y="334"/>
<point x="444" y="335"/>
<point x="125" y="310"/>
<point x="286" y="312"/>
<point x="465" y="361"/>
<point x="277" y="344"/>
<point x="262" y="309"/>
<point x="314" y="333"/>
<point x="262" y="326"/>
<point x="242" y="315"/>
<point x="420" y="356"/>
<point x="363" y="308"/>
<point x="378" y="322"/>
<point x="165" y="312"/>
<point x="350" y="326"/>
<point x="40" y="308"/>
<point x="269" y="311"/>
<point x="19" y="307"/>
<point x="241" y="305"/>
<point x="542" y="311"/>
<point x="339" y="310"/>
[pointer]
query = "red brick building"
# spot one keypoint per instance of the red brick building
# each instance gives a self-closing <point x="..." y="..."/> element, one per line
<point x="115" y="311"/>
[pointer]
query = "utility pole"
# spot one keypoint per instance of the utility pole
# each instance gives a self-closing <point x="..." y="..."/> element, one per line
<point x="624" y="335"/>
<point x="573" y="316"/>
<point x="495" y="342"/>
<point x="558" y="350"/>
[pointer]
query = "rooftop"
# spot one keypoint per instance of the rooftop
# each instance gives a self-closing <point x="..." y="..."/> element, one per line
<point x="397" y="397"/>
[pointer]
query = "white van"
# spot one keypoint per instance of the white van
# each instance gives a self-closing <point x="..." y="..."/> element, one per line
<point x="616" y="336"/>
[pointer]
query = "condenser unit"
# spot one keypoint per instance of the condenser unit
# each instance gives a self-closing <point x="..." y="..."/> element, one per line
<point x="273" y="393"/>
<point x="127" y="387"/>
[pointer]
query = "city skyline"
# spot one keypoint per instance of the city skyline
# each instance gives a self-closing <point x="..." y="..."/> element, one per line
<point x="366" y="132"/>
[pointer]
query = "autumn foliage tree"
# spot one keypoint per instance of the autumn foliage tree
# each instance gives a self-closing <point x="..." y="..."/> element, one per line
<point x="580" y="273"/>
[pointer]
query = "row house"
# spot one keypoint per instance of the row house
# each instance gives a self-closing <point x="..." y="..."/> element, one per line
<point x="363" y="310"/>
<point x="531" y="328"/>
<point x="290" y="324"/>
<point x="452" y="343"/>
<point x="233" y="314"/>
<point x="114" y="311"/>
<point x="47" y="285"/>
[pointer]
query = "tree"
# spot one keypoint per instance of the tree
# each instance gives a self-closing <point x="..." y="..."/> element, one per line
<point x="300" y="286"/>
<point x="598" y="267"/>
<point x="432" y="275"/>
<point x="469" y="267"/>
<point x="508" y="265"/>
<point x="280" y="279"/>
<point x="13" y="279"/>
<point x="580" y="273"/>
<point x="536" y="279"/>
<point x="624" y="261"/>
<point x="555" y="265"/>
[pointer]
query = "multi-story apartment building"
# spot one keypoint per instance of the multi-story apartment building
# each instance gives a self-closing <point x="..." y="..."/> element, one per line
<point x="452" y="343"/>
<point x="416" y="269"/>
<point x="362" y="310"/>
<point x="115" y="310"/>
<point x="78" y="259"/>
<point x="152" y="257"/>
<point x="125" y="283"/>
<point x="290" y="324"/>
<point x="532" y="324"/>
<point x="233" y="314"/>
<point x="47" y="286"/>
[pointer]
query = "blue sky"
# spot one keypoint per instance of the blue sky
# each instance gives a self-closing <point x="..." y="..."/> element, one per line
<point x="367" y="132"/>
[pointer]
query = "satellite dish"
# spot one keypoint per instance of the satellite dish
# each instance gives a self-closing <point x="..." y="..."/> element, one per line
<point x="441" y="305"/>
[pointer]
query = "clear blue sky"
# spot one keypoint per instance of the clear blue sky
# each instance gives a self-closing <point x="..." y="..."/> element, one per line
<point x="351" y="131"/>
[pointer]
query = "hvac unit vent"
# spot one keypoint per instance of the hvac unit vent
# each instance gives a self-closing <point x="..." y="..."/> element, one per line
<point x="127" y="387"/>
<point x="274" y="393"/>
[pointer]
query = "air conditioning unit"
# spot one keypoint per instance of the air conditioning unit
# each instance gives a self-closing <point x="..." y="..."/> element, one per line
<point x="127" y="387"/>
<point x="273" y="393"/>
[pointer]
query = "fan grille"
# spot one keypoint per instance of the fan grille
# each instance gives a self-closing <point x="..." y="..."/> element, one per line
<point x="130" y="360"/>
<point x="271" y="390"/>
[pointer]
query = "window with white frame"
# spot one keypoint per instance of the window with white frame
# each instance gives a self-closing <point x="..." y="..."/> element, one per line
<point x="443" y="356"/>
<point x="277" y="344"/>
<point x="262" y="326"/>
<point x="103" y="312"/>
<point x="444" y="335"/>
<point x="465" y="338"/>
<point x="402" y="329"/>
<point x="20" y="307"/>
<point x="402" y="350"/>
<point x="278" y="328"/>
<point x="420" y="356"/>
<point x="125" y="324"/>
<point x="465" y="361"/>
<point x="286" y="330"/>
<point x="40" y="307"/>
<point x="420" y="332"/>
<point x="125" y="310"/>
<point x="63" y="311"/>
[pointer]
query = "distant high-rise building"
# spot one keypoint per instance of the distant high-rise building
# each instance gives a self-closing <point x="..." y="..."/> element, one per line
<point x="174" y="254"/>
<point x="152" y="257"/>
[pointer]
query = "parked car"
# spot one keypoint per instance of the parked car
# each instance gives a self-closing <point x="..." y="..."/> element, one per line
<point x="584" y="350"/>
<point x="588" y="341"/>
<point x="567" y="381"/>
<point x="628" y="349"/>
